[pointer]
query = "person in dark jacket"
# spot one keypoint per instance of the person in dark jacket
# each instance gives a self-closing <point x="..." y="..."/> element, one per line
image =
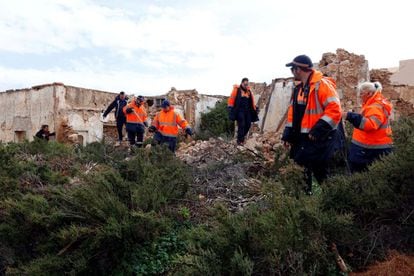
<point x="314" y="114"/>
<point x="241" y="108"/>
<point x="120" y="101"/>
<point x="44" y="133"/>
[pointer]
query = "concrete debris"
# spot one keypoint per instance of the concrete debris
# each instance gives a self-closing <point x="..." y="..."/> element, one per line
<point x="226" y="173"/>
<point x="201" y="154"/>
<point x="204" y="153"/>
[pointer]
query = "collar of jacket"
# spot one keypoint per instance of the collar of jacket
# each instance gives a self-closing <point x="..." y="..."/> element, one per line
<point x="379" y="98"/>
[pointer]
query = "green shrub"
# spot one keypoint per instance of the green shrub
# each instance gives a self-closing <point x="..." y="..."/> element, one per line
<point x="108" y="222"/>
<point x="284" y="238"/>
<point x="380" y="200"/>
<point x="215" y="123"/>
<point x="137" y="215"/>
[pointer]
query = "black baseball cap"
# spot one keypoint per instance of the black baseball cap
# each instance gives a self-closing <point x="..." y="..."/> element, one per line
<point x="301" y="61"/>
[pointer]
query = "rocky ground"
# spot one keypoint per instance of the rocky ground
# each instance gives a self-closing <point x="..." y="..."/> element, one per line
<point x="227" y="173"/>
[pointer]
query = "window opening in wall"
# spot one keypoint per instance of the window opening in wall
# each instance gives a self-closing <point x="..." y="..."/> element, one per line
<point x="19" y="136"/>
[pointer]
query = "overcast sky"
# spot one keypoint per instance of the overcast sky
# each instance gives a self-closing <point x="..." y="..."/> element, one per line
<point x="147" y="47"/>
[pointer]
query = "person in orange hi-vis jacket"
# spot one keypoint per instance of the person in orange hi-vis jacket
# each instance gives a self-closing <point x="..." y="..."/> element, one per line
<point x="241" y="108"/>
<point x="165" y="125"/>
<point x="314" y="114"/>
<point x="136" y="121"/>
<point x="371" y="137"/>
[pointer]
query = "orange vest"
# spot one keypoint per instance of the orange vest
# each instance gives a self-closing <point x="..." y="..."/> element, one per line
<point x="167" y="122"/>
<point x="232" y="100"/>
<point x="139" y="114"/>
<point x="374" y="132"/>
<point x="323" y="103"/>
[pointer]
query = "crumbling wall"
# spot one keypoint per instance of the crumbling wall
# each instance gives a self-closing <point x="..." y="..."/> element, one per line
<point x="81" y="113"/>
<point x="405" y="73"/>
<point x="274" y="112"/>
<point x="402" y="96"/>
<point x="24" y="111"/>
<point x="348" y="70"/>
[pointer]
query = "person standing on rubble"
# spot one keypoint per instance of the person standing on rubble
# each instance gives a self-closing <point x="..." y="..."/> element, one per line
<point x="241" y="108"/>
<point x="119" y="103"/>
<point x="136" y="121"/>
<point x="371" y="137"/>
<point x="165" y="126"/>
<point x="314" y="114"/>
<point x="44" y="133"/>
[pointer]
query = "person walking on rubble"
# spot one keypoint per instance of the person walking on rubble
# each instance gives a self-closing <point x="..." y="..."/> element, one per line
<point x="371" y="137"/>
<point x="314" y="114"/>
<point x="44" y="133"/>
<point x="165" y="126"/>
<point x="241" y="108"/>
<point x="136" y="121"/>
<point x="119" y="103"/>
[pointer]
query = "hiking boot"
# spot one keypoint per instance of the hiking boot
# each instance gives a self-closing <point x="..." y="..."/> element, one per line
<point x="118" y="143"/>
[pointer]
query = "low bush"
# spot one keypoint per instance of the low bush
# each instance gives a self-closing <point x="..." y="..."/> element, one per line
<point x="110" y="221"/>
<point x="215" y="122"/>
<point x="89" y="210"/>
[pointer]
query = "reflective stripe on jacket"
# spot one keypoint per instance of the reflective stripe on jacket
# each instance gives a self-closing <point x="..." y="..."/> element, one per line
<point x="137" y="116"/>
<point x="323" y="103"/>
<point x="167" y="122"/>
<point x="374" y="131"/>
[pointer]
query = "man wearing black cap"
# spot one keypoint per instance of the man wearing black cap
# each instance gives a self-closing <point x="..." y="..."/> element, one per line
<point x="120" y="101"/>
<point x="165" y="126"/>
<point x="313" y="117"/>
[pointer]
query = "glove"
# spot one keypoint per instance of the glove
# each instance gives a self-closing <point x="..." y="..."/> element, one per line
<point x="129" y="110"/>
<point x="189" y="131"/>
<point x="152" y="129"/>
<point x="146" y="124"/>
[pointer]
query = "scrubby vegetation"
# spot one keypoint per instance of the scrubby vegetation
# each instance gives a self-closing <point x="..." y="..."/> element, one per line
<point x="215" y="123"/>
<point x="90" y="210"/>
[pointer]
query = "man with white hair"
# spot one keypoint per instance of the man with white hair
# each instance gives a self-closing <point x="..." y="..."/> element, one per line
<point x="372" y="133"/>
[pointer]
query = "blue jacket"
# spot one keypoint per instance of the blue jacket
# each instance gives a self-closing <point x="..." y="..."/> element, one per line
<point x="118" y="104"/>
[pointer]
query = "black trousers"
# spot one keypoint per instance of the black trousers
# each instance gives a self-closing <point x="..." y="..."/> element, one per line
<point x="120" y="122"/>
<point x="360" y="158"/>
<point x="244" y="121"/>
<point x="314" y="156"/>
<point x="160" y="139"/>
<point x="135" y="134"/>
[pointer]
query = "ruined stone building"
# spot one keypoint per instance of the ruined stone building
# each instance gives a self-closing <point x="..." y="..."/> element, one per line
<point x="75" y="113"/>
<point x="72" y="112"/>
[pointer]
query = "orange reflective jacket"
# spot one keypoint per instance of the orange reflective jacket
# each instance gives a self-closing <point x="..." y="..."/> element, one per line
<point x="167" y="122"/>
<point x="233" y="97"/>
<point x="374" y="131"/>
<point x="323" y="103"/>
<point x="138" y="115"/>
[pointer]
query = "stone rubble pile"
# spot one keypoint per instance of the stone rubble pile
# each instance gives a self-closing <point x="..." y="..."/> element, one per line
<point x="260" y="147"/>
<point x="227" y="173"/>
